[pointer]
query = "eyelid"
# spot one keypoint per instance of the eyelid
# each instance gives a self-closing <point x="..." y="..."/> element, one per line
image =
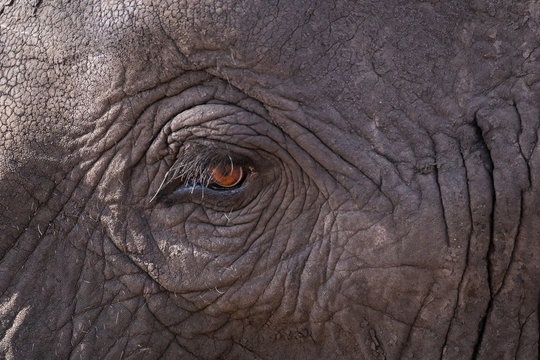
<point x="202" y="113"/>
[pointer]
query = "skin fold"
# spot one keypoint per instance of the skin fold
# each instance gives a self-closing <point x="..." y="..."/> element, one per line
<point x="387" y="205"/>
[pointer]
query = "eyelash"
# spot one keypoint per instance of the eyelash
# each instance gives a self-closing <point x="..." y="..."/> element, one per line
<point x="195" y="166"/>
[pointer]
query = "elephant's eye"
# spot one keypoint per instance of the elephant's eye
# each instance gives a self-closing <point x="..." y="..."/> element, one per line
<point x="218" y="176"/>
<point x="204" y="173"/>
<point x="226" y="176"/>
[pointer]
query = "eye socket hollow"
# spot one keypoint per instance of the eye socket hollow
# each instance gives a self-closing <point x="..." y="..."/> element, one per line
<point x="226" y="176"/>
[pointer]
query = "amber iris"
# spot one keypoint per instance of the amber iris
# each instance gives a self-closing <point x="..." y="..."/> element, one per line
<point x="227" y="175"/>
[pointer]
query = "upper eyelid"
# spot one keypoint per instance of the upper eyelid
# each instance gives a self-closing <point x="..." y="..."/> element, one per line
<point x="201" y="114"/>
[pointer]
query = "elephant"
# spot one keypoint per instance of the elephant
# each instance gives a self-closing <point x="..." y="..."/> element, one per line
<point x="269" y="179"/>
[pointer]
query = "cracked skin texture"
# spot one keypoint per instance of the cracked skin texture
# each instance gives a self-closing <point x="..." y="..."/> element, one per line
<point x="391" y="210"/>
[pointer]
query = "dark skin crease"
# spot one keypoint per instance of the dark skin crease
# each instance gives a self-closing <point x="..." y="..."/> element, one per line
<point x="269" y="180"/>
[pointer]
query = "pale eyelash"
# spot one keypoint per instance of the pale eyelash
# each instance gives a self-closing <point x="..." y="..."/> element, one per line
<point x="194" y="165"/>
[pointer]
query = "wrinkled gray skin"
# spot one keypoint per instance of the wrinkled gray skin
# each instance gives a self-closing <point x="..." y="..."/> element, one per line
<point x="391" y="208"/>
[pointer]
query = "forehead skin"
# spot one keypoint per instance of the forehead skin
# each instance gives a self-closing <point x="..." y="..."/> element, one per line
<point x="339" y="55"/>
